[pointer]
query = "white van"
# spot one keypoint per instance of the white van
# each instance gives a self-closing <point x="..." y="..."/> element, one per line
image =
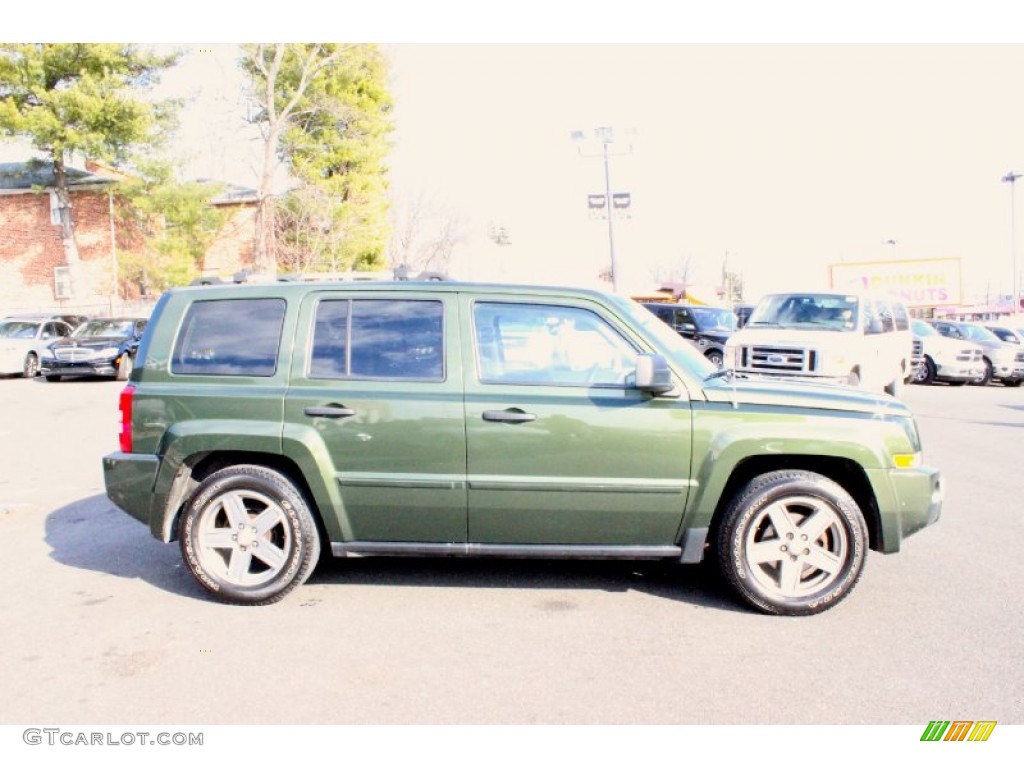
<point x="829" y="336"/>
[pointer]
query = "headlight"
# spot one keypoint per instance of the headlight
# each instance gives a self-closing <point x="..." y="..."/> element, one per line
<point x="109" y="352"/>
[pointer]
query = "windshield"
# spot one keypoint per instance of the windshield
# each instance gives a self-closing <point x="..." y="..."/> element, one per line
<point x="99" y="328"/>
<point x="923" y="329"/>
<point x="714" y="318"/>
<point x="977" y="333"/>
<point x="18" y="330"/>
<point x="829" y="311"/>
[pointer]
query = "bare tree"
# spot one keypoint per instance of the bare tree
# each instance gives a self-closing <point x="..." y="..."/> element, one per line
<point x="281" y="74"/>
<point x="423" y="237"/>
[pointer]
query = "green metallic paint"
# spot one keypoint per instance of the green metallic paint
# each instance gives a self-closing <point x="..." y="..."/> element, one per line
<point x="599" y="466"/>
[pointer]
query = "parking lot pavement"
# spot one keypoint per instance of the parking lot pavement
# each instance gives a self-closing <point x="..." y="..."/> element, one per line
<point x="103" y="624"/>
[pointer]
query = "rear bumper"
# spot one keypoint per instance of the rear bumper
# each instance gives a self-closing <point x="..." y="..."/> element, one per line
<point x="129" y="479"/>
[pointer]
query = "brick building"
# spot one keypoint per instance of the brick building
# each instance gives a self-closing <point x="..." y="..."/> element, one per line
<point x="33" y="272"/>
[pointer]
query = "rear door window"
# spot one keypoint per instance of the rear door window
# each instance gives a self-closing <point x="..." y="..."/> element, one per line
<point x="378" y="339"/>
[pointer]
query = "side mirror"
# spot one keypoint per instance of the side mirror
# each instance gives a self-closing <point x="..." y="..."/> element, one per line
<point x="653" y="374"/>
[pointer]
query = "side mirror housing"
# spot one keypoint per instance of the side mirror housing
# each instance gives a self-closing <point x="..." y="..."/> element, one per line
<point x="653" y="374"/>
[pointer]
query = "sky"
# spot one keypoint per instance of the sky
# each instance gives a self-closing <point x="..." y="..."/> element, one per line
<point x="773" y="140"/>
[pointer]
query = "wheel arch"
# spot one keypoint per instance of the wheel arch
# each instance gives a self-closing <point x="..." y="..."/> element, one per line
<point x="198" y="466"/>
<point x="845" y="472"/>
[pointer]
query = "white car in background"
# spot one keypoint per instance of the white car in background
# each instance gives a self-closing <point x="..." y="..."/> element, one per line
<point x="23" y="341"/>
<point x="954" y="361"/>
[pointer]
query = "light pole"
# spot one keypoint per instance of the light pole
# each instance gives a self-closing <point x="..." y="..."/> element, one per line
<point x="606" y="136"/>
<point x="1012" y="177"/>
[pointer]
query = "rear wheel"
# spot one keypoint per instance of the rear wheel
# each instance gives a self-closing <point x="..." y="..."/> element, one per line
<point x="1012" y="382"/>
<point x="715" y="357"/>
<point x="792" y="543"/>
<point x="248" y="536"/>
<point x="31" y="367"/>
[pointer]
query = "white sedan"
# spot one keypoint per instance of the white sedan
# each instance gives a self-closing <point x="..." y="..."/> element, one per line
<point x="22" y="342"/>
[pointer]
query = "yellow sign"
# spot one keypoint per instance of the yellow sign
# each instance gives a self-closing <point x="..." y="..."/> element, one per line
<point x="919" y="283"/>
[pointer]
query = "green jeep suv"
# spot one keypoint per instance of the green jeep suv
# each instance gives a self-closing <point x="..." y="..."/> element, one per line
<point x="266" y="424"/>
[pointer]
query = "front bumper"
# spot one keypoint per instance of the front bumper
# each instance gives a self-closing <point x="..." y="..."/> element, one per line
<point x="915" y="503"/>
<point x="1012" y="372"/>
<point x="958" y="371"/>
<point x="53" y="367"/>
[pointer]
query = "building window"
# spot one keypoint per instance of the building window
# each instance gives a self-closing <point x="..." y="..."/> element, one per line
<point x="62" y="283"/>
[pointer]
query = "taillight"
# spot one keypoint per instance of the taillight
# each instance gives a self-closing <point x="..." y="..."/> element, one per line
<point x="125" y="406"/>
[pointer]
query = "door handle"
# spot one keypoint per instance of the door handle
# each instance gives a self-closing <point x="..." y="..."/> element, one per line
<point x="329" y="412"/>
<point x="509" y="415"/>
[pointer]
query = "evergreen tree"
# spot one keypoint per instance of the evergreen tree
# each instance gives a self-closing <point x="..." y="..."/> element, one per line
<point x="80" y="97"/>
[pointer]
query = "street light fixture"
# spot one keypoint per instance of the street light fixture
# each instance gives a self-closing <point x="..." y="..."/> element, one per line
<point x="620" y="200"/>
<point x="1012" y="177"/>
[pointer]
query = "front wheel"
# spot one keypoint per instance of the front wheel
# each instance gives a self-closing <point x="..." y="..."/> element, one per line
<point x="925" y="372"/>
<point x="715" y="357"/>
<point x="1012" y="382"/>
<point x="895" y="387"/>
<point x="124" y="367"/>
<point x="247" y="535"/>
<point x="986" y="374"/>
<point x="31" y="367"/>
<point x="792" y="543"/>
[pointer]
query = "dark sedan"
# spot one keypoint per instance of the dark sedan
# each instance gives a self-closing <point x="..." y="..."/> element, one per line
<point x="104" y="346"/>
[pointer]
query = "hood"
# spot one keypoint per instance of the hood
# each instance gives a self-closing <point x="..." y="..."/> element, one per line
<point x="934" y="344"/>
<point x="801" y="394"/>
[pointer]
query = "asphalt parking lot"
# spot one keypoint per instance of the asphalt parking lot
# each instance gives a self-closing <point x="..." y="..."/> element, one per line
<point x="103" y="624"/>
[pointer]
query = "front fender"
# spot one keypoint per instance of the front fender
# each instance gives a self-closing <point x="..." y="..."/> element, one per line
<point x="725" y="446"/>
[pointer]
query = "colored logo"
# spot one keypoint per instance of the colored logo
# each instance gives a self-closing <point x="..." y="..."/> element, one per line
<point x="958" y="730"/>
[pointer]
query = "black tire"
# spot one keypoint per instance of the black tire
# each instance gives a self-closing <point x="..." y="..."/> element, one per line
<point x="715" y="357"/>
<point x="230" y="516"/>
<point x="31" y="368"/>
<point x="853" y="379"/>
<point x="925" y="373"/>
<point x="1012" y="382"/>
<point x="808" y="575"/>
<point x="896" y="386"/>
<point x="53" y="377"/>
<point x="124" y="368"/>
<point x="986" y="375"/>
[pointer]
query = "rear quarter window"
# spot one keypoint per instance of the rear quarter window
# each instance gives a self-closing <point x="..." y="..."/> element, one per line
<point x="230" y="337"/>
